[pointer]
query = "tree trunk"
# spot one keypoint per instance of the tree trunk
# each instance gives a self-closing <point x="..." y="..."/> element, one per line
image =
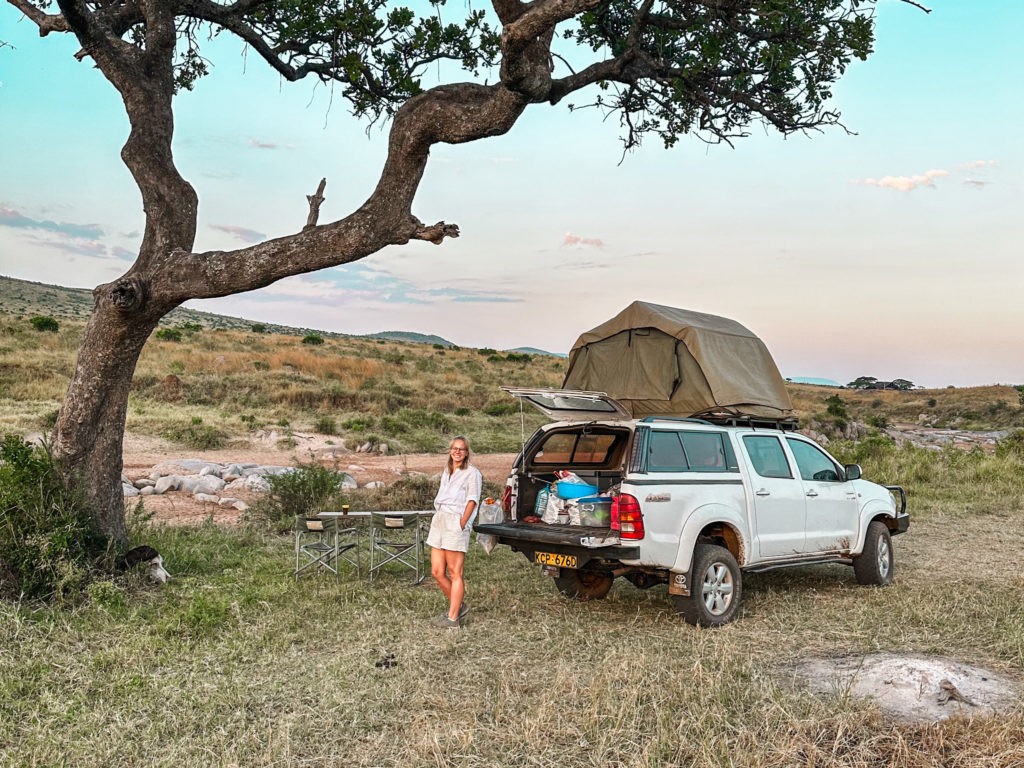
<point x="89" y="434"/>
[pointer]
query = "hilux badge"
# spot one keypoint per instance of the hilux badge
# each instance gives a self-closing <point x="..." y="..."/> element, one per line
<point x="659" y="497"/>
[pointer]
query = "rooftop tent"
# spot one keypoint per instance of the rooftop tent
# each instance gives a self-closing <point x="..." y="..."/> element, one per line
<point x="663" y="361"/>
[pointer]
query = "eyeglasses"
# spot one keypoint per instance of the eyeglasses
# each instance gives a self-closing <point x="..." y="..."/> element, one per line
<point x="459" y="450"/>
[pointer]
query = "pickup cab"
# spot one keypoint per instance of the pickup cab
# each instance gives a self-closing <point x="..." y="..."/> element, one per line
<point x="693" y="504"/>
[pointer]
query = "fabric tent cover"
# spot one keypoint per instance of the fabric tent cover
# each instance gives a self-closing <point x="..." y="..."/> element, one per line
<point x="663" y="361"/>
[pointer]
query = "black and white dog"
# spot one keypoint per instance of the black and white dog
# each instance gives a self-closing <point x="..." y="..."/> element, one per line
<point x="145" y="555"/>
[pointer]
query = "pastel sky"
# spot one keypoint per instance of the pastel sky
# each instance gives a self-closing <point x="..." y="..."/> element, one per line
<point x="892" y="253"/>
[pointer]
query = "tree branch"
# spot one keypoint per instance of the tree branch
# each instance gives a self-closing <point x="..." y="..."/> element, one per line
<point x="315" y="201"/>
<point x="47" y="22"/>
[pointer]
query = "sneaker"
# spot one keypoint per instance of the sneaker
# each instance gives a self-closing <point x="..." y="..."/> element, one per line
<point x="443" y="622"/>
<point x="463" y="610"/>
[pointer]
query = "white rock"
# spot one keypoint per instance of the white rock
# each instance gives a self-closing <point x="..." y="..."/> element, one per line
<point x="375" y="484"/>
<point x="348" y="482"/>
<point x="128" y="489"/>
<point x="144" y="482"/>
<point x="147" y="491"/>
<point x="167" y="483"/>
<point x="214" y="499"/>
<point x="240" y="505"/>
<point x="355" y="468"/>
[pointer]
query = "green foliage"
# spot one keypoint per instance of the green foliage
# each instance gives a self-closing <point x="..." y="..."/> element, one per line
<point x="48" y="544"/>
<point x="305" y="490"/>
<point x="486" y="351"/>
<point x="903" y="385"/>
<point x="258" y="328"/>
<point x="313" y="338"/>
<point x="518" y="357"/>
<point x="1020" y="394"/>
<point x="500" y="409"/>
<point x="835" y="406"/>
<point x="358" y="424"/>
<point x="878" y="421"/>
<point x="862" y="382"/>
<point x="168" y="334"/>
<point x="326" y="425"/>
<point x="197" y="435"/>
<point x="1012" y="445"/>
<point x="189" y="327"/>
<point x="45" y="323"/>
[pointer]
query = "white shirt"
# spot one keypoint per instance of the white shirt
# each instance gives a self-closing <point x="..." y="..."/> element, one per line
<point x="458" y="488"/>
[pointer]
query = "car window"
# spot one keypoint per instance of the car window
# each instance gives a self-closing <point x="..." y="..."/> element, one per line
<point x="576" y="448"/>
<point x="767" y="456"/>
<point x="705" y="451"/>
<point x="814" y="464"/>
<point x="675" y="451"/>
<point x="665" y="453"/>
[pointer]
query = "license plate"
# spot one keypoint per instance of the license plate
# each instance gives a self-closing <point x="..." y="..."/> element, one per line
<point x="552" y="558"/>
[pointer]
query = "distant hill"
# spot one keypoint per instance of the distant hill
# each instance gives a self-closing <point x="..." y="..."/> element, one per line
<point x="26" y="298"/>
<point x="535" y="351"/>
<point x="410" y="336"/>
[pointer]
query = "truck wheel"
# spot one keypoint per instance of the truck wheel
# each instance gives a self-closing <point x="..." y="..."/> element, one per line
<point x="584" y="585"/>
<point x="717" y="587"/>
<point x="874" y="566"/>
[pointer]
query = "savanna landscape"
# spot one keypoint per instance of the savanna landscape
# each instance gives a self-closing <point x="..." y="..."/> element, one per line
<point x="234" y="662"/>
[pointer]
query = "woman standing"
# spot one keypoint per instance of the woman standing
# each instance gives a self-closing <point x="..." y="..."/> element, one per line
<point x="455" y="507"/>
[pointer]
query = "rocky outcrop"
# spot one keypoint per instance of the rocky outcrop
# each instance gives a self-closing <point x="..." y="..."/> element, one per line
<point x="210" y="482"/>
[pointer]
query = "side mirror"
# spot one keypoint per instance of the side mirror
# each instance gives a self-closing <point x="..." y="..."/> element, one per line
<point x="852" y="471"/>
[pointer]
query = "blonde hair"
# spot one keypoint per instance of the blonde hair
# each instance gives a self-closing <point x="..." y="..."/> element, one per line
<point x="465" y="457"/>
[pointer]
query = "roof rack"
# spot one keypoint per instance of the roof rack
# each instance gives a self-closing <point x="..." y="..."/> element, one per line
<point x="790" y="424"/>
<point x="692" y="420"/>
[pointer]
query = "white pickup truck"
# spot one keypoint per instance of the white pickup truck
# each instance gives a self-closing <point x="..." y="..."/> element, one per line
<point x="693" y="504"/>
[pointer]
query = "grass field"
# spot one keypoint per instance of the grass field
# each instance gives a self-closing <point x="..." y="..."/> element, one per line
<point x="233" y="663"/>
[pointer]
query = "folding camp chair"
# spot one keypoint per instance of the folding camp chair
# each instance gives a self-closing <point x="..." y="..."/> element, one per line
<point x="396" y="538"/>
<point x="320" y="542"/>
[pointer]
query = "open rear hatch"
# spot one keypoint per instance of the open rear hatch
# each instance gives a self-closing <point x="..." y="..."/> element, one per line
<point x="571" y="404"/>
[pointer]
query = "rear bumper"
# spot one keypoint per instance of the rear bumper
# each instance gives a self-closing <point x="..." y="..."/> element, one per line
<point x="585" y="544"/>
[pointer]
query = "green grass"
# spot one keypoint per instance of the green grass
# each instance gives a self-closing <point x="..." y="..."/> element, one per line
<point x="234" y="663"/>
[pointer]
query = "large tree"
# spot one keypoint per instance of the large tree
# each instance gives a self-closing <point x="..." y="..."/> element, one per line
<point x="710" y="68"/>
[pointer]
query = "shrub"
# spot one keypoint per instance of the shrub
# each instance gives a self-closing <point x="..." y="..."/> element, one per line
<point x="326" y="425"/>
<point x="500" y="409"/>
<point x="191" y="327"/>
<point x="197" y="435"/>
<point x="1011" y="445"/>
<point x="307" y="489"/>
<point x="45" y="323"/>
<point x="487" y="351"/>
<point x="48" y="543"/>
<point x="312" y="338"/>
<point x="518" y="357"/>
<point x="258" y="328"/>
<point x="168" y="334"/>
<point x="358" y="424"/>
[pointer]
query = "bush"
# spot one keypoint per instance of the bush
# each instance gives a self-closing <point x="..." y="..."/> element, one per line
<point x="197" y="435"/>
<point x="168" y="334"/>
<point x="49" y="546"/>
<point x="309" y="488"/>
<point x="325" y="425"/>
<point x="500" y="409"/>
<point x="312" y="338"/>
<point x="45" y="323"/>
<point x="1011" y="445"/>
<point x="258" y="328"/>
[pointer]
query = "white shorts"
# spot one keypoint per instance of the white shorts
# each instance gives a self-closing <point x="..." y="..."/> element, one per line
<point x="445" y="532"/>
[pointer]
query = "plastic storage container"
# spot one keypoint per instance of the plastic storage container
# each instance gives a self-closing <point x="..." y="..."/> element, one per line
<point x="595" y="510"/>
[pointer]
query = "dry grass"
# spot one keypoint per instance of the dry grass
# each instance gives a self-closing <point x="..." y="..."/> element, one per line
<point x="235" y="664"/>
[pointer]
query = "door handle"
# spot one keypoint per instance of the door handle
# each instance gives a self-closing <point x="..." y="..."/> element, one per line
<point x="763" y="492"/>
<point x="812" y="492"/>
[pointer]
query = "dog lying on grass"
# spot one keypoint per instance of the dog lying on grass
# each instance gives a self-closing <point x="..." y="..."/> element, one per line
<point x="148" y="556"/>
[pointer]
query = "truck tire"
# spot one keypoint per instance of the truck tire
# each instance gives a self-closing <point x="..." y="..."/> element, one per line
<point x="717" y="587"/>
<point x="583" y="585"/>
<point x="875" y="565"/>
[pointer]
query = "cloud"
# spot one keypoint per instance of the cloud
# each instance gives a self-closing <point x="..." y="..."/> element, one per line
<point x="241" y="233"/>
<point x="576" y="240"/>
<point x="905" y="183"/>
<point x="976" y="183"/>
<point x="258" y="144"/>
<point x="978" y="164"/>
<point x="17" y="220"/>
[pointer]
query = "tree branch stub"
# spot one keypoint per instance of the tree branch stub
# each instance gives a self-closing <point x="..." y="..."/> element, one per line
<point x="315" y="201"/>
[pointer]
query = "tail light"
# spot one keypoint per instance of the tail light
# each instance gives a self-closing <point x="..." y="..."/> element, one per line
<point x="627" y="518"/>
<point x="506" y="501"/>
